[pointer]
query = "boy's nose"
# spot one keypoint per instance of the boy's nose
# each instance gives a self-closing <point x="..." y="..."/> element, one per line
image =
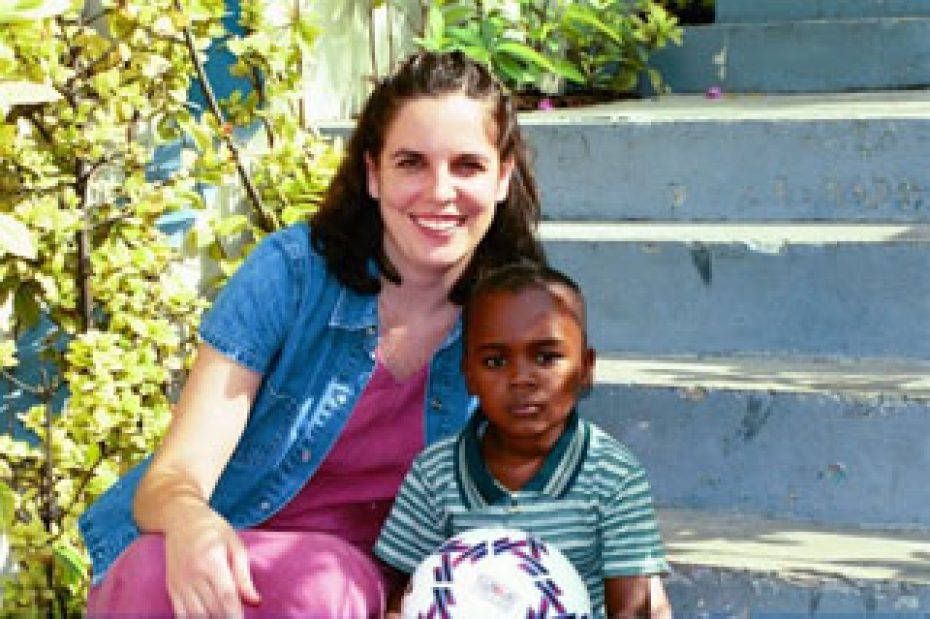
<point x="521" y="373"/>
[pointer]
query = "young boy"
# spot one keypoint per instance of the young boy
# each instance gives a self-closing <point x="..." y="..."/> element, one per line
<point x="526" y="460"/>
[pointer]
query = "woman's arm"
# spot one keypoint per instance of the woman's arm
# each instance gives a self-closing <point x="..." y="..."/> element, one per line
<point x="206" y="564"/>
<point x="627" y="597"/>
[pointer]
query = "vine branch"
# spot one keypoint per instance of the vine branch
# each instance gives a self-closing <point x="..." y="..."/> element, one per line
<point x="267" y="222"/>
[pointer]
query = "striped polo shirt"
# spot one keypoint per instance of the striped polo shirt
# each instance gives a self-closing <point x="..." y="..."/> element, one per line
<point x="590" y="499"/>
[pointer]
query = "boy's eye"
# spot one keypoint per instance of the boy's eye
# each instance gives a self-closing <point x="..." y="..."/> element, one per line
<point x="547" y="357"/>
<point x="493" y="362"/>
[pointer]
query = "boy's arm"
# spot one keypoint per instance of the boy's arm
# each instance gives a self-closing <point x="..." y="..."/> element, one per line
<point x="409" y="534"/>
<point x="629" y="597"/>
<point x="399" y="582"/>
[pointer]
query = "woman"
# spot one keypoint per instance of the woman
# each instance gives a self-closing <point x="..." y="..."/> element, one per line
<point x="329" y="360"/>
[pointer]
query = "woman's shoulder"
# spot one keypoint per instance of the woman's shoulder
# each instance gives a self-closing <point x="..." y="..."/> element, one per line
<point x="292" y="246"/>
<point x="292" y="240"/>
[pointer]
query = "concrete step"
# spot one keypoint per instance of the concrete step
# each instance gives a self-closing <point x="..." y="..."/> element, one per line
<point x="834" y="441"/>
<point x="736" y="565"/>
<point x="752" y="158"/>
<point x="735" y="11"/>
<point x="800" y="56"/>
<point x="815" y="289"/>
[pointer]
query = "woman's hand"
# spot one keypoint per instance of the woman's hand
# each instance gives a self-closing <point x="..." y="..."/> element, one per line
<point x="207" y="570"/>
<point x="207" y="567"/>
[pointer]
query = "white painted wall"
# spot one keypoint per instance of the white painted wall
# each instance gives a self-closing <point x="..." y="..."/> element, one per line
<point x="339" y="71"/>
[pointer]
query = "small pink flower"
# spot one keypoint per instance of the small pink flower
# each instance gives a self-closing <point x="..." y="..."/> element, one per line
<point x="545" y="104"/>
<point x="714" y="92"/>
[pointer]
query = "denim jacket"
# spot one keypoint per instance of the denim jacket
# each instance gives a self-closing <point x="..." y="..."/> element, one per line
<point x="284" y="315"/>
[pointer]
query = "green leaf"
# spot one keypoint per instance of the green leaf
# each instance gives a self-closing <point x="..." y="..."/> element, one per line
<point x="29" y="10"/>
<point x="7" y="353"/>
<point x="584" y="15"/>
<point x="231" y="225"/>
<point x="201" y="135"/>
<point x="70" y="563"/>
<point x="525" y="53"/>
<point x="26" y="93"/>
<point x="566" y="69"/>
<point x="26" y="307"/>
<point x="435" y="25"/>
<point x="16" y="238"/>
<point x="307" y="30"/>
<point x="7" y="504"/>
<point x="457" y="14"/>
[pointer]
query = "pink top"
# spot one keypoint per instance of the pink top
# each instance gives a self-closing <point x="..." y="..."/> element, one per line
<point x="351" y="493"/>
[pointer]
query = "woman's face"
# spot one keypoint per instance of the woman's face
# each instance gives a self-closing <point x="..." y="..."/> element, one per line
<point x="437" y="181"/>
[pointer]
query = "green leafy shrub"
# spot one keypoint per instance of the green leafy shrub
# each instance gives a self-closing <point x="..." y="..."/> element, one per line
<point x="80" y="245"/>
<point x="534" y="45"/>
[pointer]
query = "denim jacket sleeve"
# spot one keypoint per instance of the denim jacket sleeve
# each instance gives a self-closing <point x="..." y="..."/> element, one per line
<point x="250" y="318"/>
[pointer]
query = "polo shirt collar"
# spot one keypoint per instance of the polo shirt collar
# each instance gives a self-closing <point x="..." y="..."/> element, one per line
<point x="554" y="478"/>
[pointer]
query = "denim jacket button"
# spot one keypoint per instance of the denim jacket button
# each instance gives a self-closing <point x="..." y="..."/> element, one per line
<point x="436" y="404"/>
<point x="340" y="399"/>
<point x="265" y="506"/>
<point x="305" y="455"/>
<point x="372" y="330"/>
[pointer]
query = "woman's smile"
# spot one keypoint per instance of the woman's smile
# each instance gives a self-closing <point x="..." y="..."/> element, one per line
<point x="439" y="223"/>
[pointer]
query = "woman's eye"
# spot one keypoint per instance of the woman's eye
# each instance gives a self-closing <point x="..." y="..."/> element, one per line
<point x="410" y="163"/>
<point x="469" y="166"/>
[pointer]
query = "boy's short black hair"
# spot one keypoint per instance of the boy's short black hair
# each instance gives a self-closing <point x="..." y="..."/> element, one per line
<point x="517" y="277"/>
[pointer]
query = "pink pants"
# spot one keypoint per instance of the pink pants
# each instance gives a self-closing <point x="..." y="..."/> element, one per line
<point x="297" y="574"/>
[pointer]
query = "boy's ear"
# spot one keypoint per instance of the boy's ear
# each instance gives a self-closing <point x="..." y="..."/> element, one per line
<point x="587" y="371"/>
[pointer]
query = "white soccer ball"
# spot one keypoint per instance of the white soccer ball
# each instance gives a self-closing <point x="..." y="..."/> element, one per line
<point x="488" y="573"/>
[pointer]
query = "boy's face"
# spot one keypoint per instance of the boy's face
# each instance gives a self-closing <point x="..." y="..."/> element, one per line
<point x="526" y="361"/>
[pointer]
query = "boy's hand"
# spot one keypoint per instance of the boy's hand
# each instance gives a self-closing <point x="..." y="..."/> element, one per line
<point x="396" y="596"/>
<point x="629" y="597"/>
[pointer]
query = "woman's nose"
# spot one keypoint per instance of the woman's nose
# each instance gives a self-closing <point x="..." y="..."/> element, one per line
<point x="443" y="184"/>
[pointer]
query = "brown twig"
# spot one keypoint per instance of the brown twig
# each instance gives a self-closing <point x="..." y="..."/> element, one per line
<point x="267" y="221"/>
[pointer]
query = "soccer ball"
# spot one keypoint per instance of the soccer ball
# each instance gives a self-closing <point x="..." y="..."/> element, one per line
<point x="488" y="573"/>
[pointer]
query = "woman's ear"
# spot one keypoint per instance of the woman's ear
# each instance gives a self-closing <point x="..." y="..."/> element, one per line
<point x="371" y="176"/>
<point x="503" y="181"/>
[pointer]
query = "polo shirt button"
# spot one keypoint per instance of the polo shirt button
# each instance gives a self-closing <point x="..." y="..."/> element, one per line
<point x="265" y="506"/>
<point x="305" y="455"/>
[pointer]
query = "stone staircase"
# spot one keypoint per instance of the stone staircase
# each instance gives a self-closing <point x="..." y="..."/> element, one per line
<point x="804" y="46"/>
<point x="758" y="275"/>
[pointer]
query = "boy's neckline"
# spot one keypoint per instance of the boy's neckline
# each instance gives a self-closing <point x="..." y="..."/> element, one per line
<point x="554" y="478"/>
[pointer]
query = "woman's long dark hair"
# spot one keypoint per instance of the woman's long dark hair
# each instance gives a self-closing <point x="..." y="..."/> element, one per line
<point x="347" y="229"/>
